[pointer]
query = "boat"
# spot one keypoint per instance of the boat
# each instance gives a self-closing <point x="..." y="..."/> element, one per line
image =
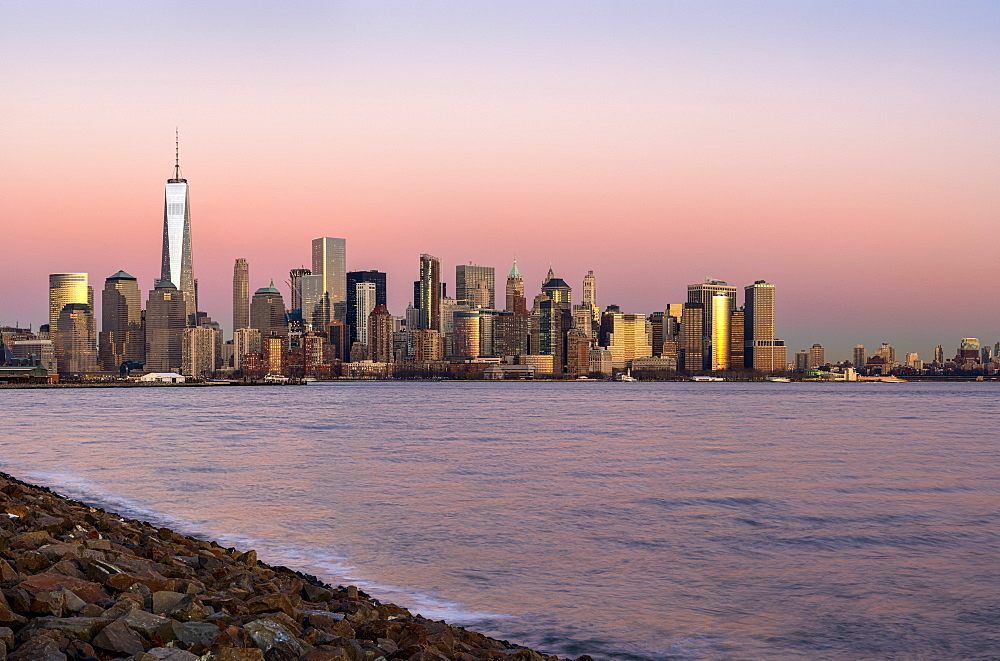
<point x="626" y="377"/>
<point x="778" y="379"/>
<point x="707" y="378"/>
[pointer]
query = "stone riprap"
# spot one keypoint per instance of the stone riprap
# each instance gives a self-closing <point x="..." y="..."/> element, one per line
<point x="82" y="584"/>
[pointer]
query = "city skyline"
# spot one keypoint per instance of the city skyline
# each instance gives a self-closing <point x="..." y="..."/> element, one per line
<point x="842" y="153"/>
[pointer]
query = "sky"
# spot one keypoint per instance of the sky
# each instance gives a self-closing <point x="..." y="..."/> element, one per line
<point x="847" y="152"/>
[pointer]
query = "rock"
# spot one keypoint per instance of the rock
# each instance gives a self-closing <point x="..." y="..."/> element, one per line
<point x="35" y="538"/>
<point x="352" y="650"/>
<point x="75" y="628"/>
<point x="89" y="592"/>
<point x="118" y="638"/>
<point x="71" y="602"/>
<point x="189" y="608"/>
<point x="171" y="654"/>
<point x="143" y="622"/>
<point x="38" y="648"/>
<point x="32" y="562"/>
<point x="191" y="633"/>
<point x="7" y="636"/>
<point x="249" y="558"/>
<point x="266" y="633"/>
<point x="272" y="603"/>
<point x="7" y="616"/>
<point x="50" y="602"/>
<point x="164" y="601"/>
<point x="7" y="572"/>
<point x="234" y="654"/>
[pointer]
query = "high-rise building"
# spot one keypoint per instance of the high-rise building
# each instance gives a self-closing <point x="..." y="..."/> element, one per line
<point x="466" y="334"/>
<point x="887" y="353"/>
<point x="969" y="349"/>
<point x="337" y="342"/>
<point x="912" y="359"/>
<point x="510" y="334"/>
<point x="630" y="337"/>
<point x="578" y="346"/>
<point x="558" y="291"/>
<point x="859" y="357"/>
<point x="329" y="261"/>
<point x="199" y="351"/>
<point x="693" y="336"/>
<point x="275" y="350"/>
<point x="245" y="341"/>
<point x="267" y="311"/>
<point x="590" y="294"/>
<point x="761" y="350"/>
<point x="67" y="288"/>
<point x="516" y="302"/>
<point x="295" y="284"/>
<point x="475" y="285"/>
<point x="703" y="293"/>
<point x="311" y="298"/>
<point x="121" y="336"/>
<point x="75" y="340"/>
<point x="365" y="300"/>
<point x="178" y="263"/>
<point x="430" y="293"/>
<point x="737" y="328"/>
<point x="355" y="317"/>
<point x="241" y="295"/>
<point x="939" y="354"/>
<point x="428" y="346"/>
<point x="166" y="318"/>
<point x="380" y="324"/>
<point x="817" y="356"/>
<point x="720" y="330"/>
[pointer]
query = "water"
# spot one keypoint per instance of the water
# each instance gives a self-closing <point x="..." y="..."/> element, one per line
<point x="624" y="521"/>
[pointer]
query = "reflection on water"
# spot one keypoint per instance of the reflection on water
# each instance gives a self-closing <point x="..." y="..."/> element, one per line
<point x="641" y="521"/>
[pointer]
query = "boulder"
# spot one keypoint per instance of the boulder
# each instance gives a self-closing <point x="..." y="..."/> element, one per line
<point x="118" y="639"/>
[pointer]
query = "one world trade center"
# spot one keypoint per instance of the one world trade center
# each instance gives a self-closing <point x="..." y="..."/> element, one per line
<point x="177" y="261"/>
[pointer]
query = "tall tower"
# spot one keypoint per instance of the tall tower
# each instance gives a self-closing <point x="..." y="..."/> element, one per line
<point x="241" y="295"/>
<point x="720" y="331"/>
<point x="353" y="310"/>
<point x="365" y="294"/>
<point x="121" y="336"/>
<point x="590" y="295"/>
<point x="329" y="261"/>
<point x="178" y="264"/>
<point x="475" y="285"/>
<point x="267" y="311"/>
<point x="430" y="292"/>
<point x="65" y="288"/>
<point x="166" y="317"/>
<point x="75" y="341"/>
<point x="761" y="350"/>
<point x="515" y="291"/>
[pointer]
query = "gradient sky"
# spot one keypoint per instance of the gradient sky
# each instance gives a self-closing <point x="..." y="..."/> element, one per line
<point x="848" y="152"/>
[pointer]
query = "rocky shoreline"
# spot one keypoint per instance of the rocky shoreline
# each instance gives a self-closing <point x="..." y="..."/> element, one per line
<point x="82" y="584"/>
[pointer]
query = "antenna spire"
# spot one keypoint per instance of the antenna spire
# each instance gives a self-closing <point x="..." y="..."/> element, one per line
<point x="177" y="153"/>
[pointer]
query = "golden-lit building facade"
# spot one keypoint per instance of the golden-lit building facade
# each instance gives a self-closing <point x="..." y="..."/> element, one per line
<point x="630" y="337"/>
<point x="428" y="346"/>
<point x="720" y="332"/>
<point x="65" y="288"/>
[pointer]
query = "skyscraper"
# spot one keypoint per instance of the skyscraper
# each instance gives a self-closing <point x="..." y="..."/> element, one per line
<point x="75" y="339"/>
<point x="515" y="291"/>
<point x="380" y="334"/>
<point x="166" y="317"/>
<point x="295" y="284"/>
<point x="241" y="295"/>
<point x="430" y="292"/>
<point x="720" y="330"/>
<point x="703" y="293"/>
<point x="817" y="356"/>
<point x="590" y="295"/>
<point x="692" y="336"/>
<point x="353" y="278"/>
<point x="267" y="312"/>
<point x="364" y="303"/>
<point x="121" y="336"/>
<point x="761" y="350"/>
<point x="67" y="288"/>
<point x="329" y="261"/>
<point x="178" y="264"/>
<point x="475" y="285"/>
<point x="859" y="357"/>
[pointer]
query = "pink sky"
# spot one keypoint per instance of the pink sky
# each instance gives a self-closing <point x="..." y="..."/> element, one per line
<point x="846" y="153"/>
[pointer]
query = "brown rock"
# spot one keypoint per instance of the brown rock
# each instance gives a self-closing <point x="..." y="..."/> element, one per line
<point x="266" y="633"/>
<point x="272" y="603"/>
<point x="31" y="562"/>
<point x="7" y="636"/>
<point x="38" y="648"/>
<point x="189" y="608"/>
<point x="234" y="654"/>
<point x="7" y="572"/>
<point x="89" y="592"/>
<point x="143" y="622"/>
<point x="118" y="638"/>
<point x="339" y="654"/>
<point x="171" y="654"/>
<point x="50" y="602"/>
<point x="33" y="538"/>
<point x="74" y="628"/>
<point x="249" y="558"/>
<point x="164" y="601"/>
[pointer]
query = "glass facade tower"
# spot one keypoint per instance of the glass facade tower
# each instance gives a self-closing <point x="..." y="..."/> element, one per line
<point x="177" y="265"/>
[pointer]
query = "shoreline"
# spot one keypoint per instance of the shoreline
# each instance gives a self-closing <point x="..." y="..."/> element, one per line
<point x="80" y="582"/>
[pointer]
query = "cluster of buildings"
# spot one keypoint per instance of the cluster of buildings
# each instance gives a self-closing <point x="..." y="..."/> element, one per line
<point x="336" y="322"/>
<point x="971" y="358"/>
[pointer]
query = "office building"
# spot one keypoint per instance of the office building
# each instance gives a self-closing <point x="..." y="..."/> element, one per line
<point x="590" y="295"/>
<point x="122" y="337"/>
<point x="629" y="337"/>
<point x="75" y="340"/>
<point x="429" y="347"/>
<point x="380" y="324"/>
<point x="245" y="341"/>
<point x="475" y="286"/>
<point x="859" y="356"/>
<point x="364" y="300"/>
<point x="692" y="340"/>
<point x="241" y="295"/>
<point x="817" y="356"/>
<point x="719" y="331"/>
<point x="67" y="288"/>
<point x="761" y="350"/>
<point x="516" y="302"/>
<point x="737" y="329"/>
<point x="177" y="266"/>
<point x="166" y="318"/>
<point x="429" y="293"/>
<point x="199" y="351"/>
<point x="295" y="285"/>
<point x="466" y="334"/>
<point x="356" y="317"/>
<point x="578" y="346"/>
<point x="267" y="311"/>
<point x="329" y="262"/>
